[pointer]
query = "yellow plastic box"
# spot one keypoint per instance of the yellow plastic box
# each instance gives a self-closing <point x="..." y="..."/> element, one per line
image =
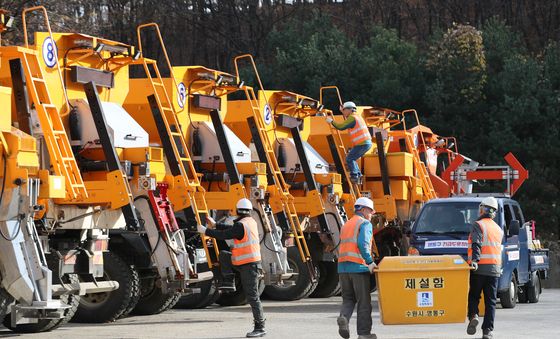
<point x="399" y="165"/>
<point x="423" y="290"/>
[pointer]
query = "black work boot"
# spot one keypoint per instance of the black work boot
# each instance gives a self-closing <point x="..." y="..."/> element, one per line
<point x="228" y="283"/>
<point x="259" y="330"/>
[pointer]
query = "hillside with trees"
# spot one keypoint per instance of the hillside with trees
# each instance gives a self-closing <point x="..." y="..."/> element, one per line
<point x="485" y="71"/>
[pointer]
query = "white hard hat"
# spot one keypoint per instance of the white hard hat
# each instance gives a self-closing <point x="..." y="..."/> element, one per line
<point x="364" y="202"/>
<point x="244" y="204"/>
<point x="349" y="104"/>
<point x="490" y="202"/>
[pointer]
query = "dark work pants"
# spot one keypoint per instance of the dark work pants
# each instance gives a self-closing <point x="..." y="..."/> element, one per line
<point x="353" y="155"/>
<point x="250" y="276"/>
<point x="488" y="285"/>
<point x="356" y="290"/>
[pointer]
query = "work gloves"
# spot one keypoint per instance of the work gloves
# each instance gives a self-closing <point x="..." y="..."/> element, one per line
<point x="371" y="267"/>
<point x="329" y="120"/>
<point x="474" y="266"/>
<point x="211" y="222"/>
<point x="201" y="229"/>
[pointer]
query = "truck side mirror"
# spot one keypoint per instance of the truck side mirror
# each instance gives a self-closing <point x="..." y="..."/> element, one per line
<point x="514" y="227"/>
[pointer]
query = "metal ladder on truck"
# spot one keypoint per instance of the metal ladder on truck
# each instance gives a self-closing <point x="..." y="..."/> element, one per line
<point x="420" y="166"/>
<point x="422" y="170"/>
<point x="258" y="131"/>
<point x="338" y="152"/>
<point x="61" y="157"/>
<point x="175" y="148"/>
<point x="268" y="223"/>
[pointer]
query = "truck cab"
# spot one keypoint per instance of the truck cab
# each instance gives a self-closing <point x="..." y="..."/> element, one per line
<point x="443" y="227"/>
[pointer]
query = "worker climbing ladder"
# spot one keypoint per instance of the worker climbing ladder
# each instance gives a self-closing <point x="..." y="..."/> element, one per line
<point x="338" y="151"/>
<point x="173" y="142"/>
<point x="267" y="155"/>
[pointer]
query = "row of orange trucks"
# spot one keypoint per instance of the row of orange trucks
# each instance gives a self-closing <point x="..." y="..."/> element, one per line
<point x="110" y="159"/>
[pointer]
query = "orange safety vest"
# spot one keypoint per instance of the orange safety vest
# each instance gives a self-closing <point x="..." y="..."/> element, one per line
<point x="247" y="250"/>
<point x="491" y="247"/>
<point x="349" y="250"/>
<point x="359" y="133"/>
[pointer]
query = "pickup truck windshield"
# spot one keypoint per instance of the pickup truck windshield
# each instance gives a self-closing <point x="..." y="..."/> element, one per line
<point x="451" y="217"/>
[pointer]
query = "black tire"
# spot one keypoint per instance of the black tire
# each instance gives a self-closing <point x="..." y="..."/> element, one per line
<point x="207" y="296"/>
<point x="328" y="283"/>
<point x="109" y="306"/>
<point x="238" y="297"/>
<point x="198" y="300"/>
<point x="522" y="294"/>
<point x="134" y="298"/>
<point x="508" y="298"/>
<point x="303" y="286"/>
<point x="153" y="300"/>
<point x="534" y="288"/>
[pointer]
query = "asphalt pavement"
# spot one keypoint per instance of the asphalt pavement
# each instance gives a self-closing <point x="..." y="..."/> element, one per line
<point x="308" y="318"/>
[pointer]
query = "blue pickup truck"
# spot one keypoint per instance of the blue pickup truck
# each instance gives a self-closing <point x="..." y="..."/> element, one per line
<point x="443" y="227"/>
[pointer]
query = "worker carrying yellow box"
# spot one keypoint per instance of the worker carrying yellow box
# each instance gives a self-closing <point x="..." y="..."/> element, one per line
<point x="359" y="136"/>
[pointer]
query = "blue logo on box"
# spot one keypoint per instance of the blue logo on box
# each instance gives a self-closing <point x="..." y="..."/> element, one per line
<point x="425" y="299"/>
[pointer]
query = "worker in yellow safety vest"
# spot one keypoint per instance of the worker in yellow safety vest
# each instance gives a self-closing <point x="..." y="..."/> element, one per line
<point x="359" y="137"/>
<point x="355" y="266"/>
<point x="485" y="258"/>
<point x="244" y="257"/>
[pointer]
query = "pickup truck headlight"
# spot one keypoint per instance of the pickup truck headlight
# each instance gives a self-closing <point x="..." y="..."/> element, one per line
<point x="413" y="251"/>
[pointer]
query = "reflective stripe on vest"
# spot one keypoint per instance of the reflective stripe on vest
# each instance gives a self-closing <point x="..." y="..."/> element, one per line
<point x="359" y="133"/>
<point x="246" y="250"/>
<point x="349" y="250"/>
<point x="491" y="245"/>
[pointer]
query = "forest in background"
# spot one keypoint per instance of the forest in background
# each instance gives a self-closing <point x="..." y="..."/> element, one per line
<point x="485" y="71"/>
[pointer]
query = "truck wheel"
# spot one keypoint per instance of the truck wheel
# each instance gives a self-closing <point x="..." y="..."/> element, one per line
<point x="328" y="283"/>
<point x="207" y="296"/>
<point x="238" y="297"/>
<point x="303" y="286"/>
<point x="134" y="298"/>
<point x="534" y="288"/>
<point x="508" y="298"/>
<point x="109" y="306"/>
<point x="44" y="325"/>
<point x="153" y="300"/>
<point x="522" y="294"/>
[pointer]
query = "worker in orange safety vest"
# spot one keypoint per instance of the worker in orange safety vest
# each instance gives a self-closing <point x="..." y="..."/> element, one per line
<point x="359" y="137"/>
<point x="485" y="258"/>
<point x="245" y="258"/>
<point x="355" y="266"/>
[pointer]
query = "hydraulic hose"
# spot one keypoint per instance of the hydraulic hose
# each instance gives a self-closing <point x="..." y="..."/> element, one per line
<point x="339" y="228"/>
